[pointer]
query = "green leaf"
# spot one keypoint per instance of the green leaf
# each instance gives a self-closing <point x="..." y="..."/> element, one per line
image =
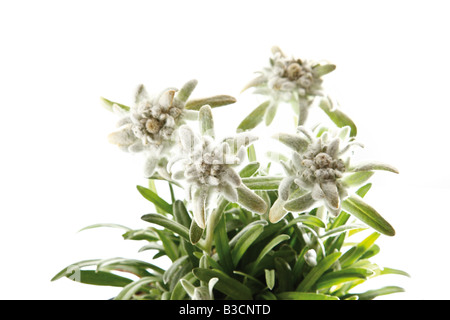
<point x="306" y="219"/>
<point x="338" y="277"/>
<point x="262" y="182"/>
<point x="293" y="141"/>
<point x="213" y="102"/>
<point x="249" y="170"/>
<point x="316" y="272"/>
<point x="170" y="247"/>
<point x="108" y="104"/>
<point x="372" y="294"/>
<point x="352" y="255"/>
<point x="129" y="290"/>
<point x="179" y="292"/>
<point x="134" y="266"/>
<point x="100" y="278"/>
<point x="321" y="70"/>
<point x="227" y="285"/>
<point x="300" y="204"/>
<point x="273" y="243"/>
<point x="70" y="271"/>
<point x="294" y="295"/>
<point x="284" y="275"/>
<point x="155" y="199"/>
<point x="340" y="229"/>
<point x="172" y="225"/>
<point x="186" y="91"/>
<point x="107" y="225"/>
<point x="181" y="214"/>
<point x="386" y="270"/>
<point x="270" y="278"/>
<point x="254" y="118"/>
<point x="141" y="234"/>
<point x="174" y="267"/>
<point x="337" y="116"/>
<point x="373" y="165"/>
<point x="244" y="242"/>
<point x="270" y="113"/>
<point x="361" y="210"/>
<point x="357" y="178"/>
<point x="223" y="246"/>
<point x="363" y="190"/>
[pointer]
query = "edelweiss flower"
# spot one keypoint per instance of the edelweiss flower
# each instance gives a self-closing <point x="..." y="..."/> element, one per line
<point x="207" y="168"/>
<point x="148" y="126"/>
<point x="321" y="172"/>
<point x="290" y="80"/>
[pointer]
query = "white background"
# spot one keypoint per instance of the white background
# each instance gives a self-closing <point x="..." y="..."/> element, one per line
<point x="59" y="173"/>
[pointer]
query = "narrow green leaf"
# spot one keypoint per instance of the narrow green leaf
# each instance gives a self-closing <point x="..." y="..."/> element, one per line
<point x="100" y="278"/>
<point x="223" y="246"/>
<point x="340" y="229"/>
<point x="294" y="295"/>
<point x="273" y="243"/>
<point x="249" y="170"/>
<point x="306" y="219"/>
<point x="134" y="266"/>
<point x="338" y="277"/>
<point x="141" y="234"/>
<point x="105" y="225"/>
<point x="361" y="210"/>
<point x="300" y="204"/>
<point x="353" y="254"/>
<point x="186" y="91"/>
<point x="244" y="242"/>
<point x="254" y="118"/>
<point x="108" y="104"/>
<point x="372" y="294"/>
<point x="270" y="113"/>
<point x="174" y="267"/>
<point x="368" y="166"/>
<point x="316" y="272"/>
<point x="262" y="182"/>
<point x="270" y="278"/>
<point x="181" y="214"/>
<point x="170" y="247"/>
<point x="338" y="117"/>
<point x="363" y="190"/>
<point x="155" y="199"/>
<point x="245" y="230"/>
<point x="172" y="225"/>
<point x="284" y="275"/>
<point x="227" y="285"/>
<point x="71" y="271"/>
<point x="386" y="270"/>
<point x="129" y="290"/>
<point x="179" y="292"/>
<point x="213" y="102"/>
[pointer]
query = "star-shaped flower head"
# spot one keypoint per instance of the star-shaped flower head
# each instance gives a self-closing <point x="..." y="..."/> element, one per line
<point x="207" y="168"/>
<point x="292" y="80"/>
<point x="320" y="171"/>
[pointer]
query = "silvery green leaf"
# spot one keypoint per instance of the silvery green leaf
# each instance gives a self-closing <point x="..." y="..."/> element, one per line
<point x="331" y="194"/>
<point x="357" y="178"/>
<point x="188" y="287"/>
<point x="303" y="110"/>
<point x="364" y="212"/>
<point x="373" y="165"/>
<point x="270" y="278"/>
<point x="122" y="137"/>
<point x="190" y="115"/>
<point x="206" y="121"/>
<point x="255" y="82"/>
<point x="262" y="182"/>
<point x="300" y="204"/>
<point x="250" y="200"/>
<point x="229" y="192"/>
<point x="285" y="187"/>
<point x="213" y="102"/>
<point x="199" y="208"/>
<point x="321" y="70"/>
<point x="150" y="166"/>
<point x="270" y="113"/>
<point x="129" y="290"/>
<point x="277" y="211"/>
<point x="108" y="104"/>
<point x="293" y="141"/>
<point x="141" y="94"/>
<point x="254" y="118"/>
<point x="185" y="92"/>
<point x="337" y="116"/>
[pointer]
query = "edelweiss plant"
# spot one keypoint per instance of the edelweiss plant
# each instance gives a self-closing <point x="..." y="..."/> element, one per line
<point x="242" y="231"/>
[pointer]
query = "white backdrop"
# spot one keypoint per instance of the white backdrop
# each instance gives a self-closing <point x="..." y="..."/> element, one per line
<point x="59" y="173"/>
